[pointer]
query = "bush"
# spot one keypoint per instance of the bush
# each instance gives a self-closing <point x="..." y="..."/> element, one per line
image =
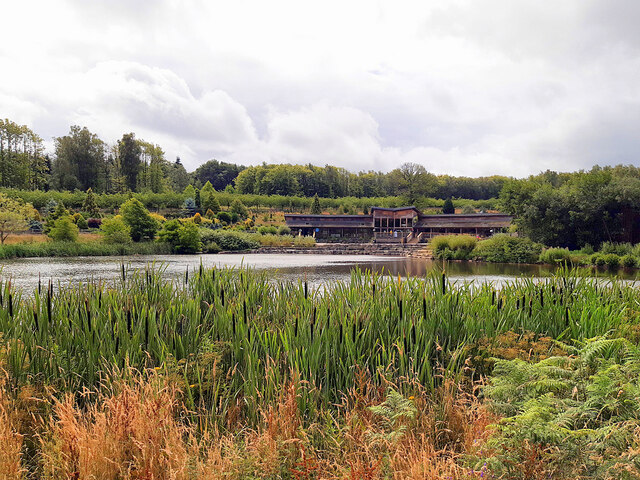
<point x="284" y="230"/>
<point x="115" y="231"/>
<point x="231" y="240"/>
<point x="304" y="242"/>
<point x="612" y="260"/>
<point x="629" y="261"/>
<point x="267" y="230"/>
<point x="64" y="230"/>
<point x="141" y="223"/>
<point x="183" y="237"/>
<point x="80" y="221"/>
<point x="239" y="209"/>
<point x="224" y="217"/>
<point x="597" y="259"/>
<point x="503" y="248"/>
<point x="211" y="247"/>
<point x="448" y="247"/>
<point x="616" y="248"/>
<point x="555" y="256"/>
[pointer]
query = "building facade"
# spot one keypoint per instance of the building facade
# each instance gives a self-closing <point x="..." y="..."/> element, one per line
<point x="403" y="224"/>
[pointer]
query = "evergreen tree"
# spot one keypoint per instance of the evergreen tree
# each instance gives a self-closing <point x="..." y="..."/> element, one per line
<point x="90" y="205"/>
<point x="129" y="152"/>
<point x="197" y="199"/>
<point x="239" y="208"/>
<point x="448" y="207"/>
<point x="141" y="223"/>
<point x="315" y="206"/>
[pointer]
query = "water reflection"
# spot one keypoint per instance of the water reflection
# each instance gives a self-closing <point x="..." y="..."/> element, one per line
<point x="317" y="269"/>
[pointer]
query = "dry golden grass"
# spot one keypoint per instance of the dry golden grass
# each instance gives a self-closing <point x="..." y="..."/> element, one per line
<point x="142" y="431"/>
<point x="10" y="438"/>
<point x="83" y="237"/>
<point x="26" y="238"/>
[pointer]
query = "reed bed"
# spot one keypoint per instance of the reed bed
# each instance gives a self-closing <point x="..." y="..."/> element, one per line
<point x="232" y="338"/>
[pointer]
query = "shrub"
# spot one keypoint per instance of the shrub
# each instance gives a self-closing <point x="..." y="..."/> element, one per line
<point x="80" y="221"/>
<point x="183" y="237"/>
<point x="267" y="230"/>
<point x="587" y="249"/>
<point x="629" y="261"/>
<point x="211" y="247"/>
<point x="224" y="217"/>
<point x="115" y="231"/>
<point x="616" y="248"/>
<point x="239" y="209"/>
<point x="554" y="256"/>
<point x="612" y="260"/>
<point x="504" y="248"/>
<point x="458" y="247"/>
<point x="230" y="240"/>
<point x="64" y="230"/>
<point x="597" y="259"/>
<point x="284" y="230"/>
<point x="158" y="218"/>
<point x="141" y="223"/>
<point x="448" y="207"/>
<point x="304" y="242"/>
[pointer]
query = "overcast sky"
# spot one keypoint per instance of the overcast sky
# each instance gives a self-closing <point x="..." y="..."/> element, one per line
<point x="464" y="87"/>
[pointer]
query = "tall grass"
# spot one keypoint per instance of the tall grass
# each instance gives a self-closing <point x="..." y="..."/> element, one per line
<point x="74" y="249"/>
<point x="233" y="337"/>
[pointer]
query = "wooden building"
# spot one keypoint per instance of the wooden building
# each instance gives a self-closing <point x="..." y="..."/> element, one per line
<point x="403" y="224"/>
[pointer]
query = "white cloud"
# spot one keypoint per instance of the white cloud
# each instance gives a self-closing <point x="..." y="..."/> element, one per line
<point x="464" y="87"/>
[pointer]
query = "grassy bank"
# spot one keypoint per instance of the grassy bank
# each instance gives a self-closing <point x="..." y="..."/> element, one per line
<point x="80" y="249"/>
<point x="249" y="378"/>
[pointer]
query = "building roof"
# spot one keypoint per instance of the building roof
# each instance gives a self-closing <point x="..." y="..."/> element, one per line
<point x="395" y="209"/>
<point x="336" y="221"/>
<point x="473" y="220"/>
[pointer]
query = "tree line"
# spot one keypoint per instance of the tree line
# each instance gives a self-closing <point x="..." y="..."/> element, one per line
<point x="82" y="160"/>
<point x="576" y="209"/>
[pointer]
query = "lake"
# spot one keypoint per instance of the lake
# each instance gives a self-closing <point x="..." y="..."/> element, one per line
<point x="317" y="269"/>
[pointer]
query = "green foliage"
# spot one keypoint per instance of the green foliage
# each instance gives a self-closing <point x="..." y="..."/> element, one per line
<point x="504" y="248"/>
<point x="555" y="256"/>
<point x="584" y="409"/>
<point x="619" y="249"/>
<point x="267" y="230"/>
<point x="115" y="231"/>
<point x="468" y="209"/>
<point x="448" y="207"/>
<point x="239" y="209"/>
<point x="629" y="261"/>
<point x="572" y="209"/>
<point x="232" y="240"/>
<point x="224" y="217"/>
<point x="183" y="237"/>
<point x="64" y="230"/>
<point x="14" y="216"/>
<point x="394" y="414"/>
<point x="315" y="206"/>
<point x="141" y="224"/>
<point x="611" y="260"/>
<point x="453" y="247"/>
<point x="284" y="230"/>
<point x="81" y="249"/>
<point x="90" y="205"/>
<point x="304" y="241"/>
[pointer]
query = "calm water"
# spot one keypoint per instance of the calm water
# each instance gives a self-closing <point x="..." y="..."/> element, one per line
<point x="317" y="269"/>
